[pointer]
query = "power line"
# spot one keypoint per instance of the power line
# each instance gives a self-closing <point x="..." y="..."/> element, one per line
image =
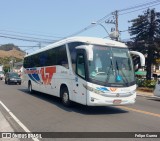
<point x="124" y="30"/>
<point x="148" y="4"/>
<point x="140" y="5"/>
<point x="28" y="40"/>
<point x="139" y="9"/>
<point x="90" y="26"/>
<point x="27" y="46"/>
<point x="23" y="33"/>
<point x="33" y="38"/>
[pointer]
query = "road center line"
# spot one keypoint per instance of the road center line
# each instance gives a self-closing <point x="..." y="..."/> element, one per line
<point x="139" y="111"/>
<point x="17" y="120"/>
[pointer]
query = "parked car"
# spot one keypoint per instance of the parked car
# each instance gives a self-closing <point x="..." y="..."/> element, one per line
<point x="12" y="77"/>
<point x="1" y="75"/>
<point x="157" y="89"/>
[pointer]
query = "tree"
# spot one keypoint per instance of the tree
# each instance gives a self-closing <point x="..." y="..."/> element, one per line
<point x="8" y="47"/>
<point x="146" y="36"/>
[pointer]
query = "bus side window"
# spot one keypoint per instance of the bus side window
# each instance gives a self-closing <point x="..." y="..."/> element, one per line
<point x="73" y="53"/>
<point x="26" y="62"/>
<point x="42" y="58"/>
<point x="80" y="66"/>
<point x="62" y="56"/>
<point x="51" y="57"/>
<point x="31" y="62"/>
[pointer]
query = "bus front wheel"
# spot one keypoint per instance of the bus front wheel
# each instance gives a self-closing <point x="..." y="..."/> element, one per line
<point x="65" y="97"/>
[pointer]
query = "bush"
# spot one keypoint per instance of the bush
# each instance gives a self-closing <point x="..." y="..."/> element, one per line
<point x="146" y="83"/>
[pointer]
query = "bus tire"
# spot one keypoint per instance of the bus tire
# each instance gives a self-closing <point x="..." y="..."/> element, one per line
<point x="30" y="87"/>
<point x="65" y="97"/>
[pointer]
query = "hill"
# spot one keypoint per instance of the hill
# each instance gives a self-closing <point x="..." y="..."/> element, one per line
<point x="7" y="47"/>
<point x="12" y="53"/>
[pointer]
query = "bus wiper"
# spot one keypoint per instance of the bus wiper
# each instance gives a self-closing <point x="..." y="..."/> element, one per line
<point x="108" y="73"/>
<point x="118" y="77"/>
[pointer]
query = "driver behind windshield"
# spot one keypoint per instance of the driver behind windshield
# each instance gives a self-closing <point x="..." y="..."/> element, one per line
<point x="98" y="63"/>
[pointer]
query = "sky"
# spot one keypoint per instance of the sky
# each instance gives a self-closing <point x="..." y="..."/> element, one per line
<point x="56" y="19"/>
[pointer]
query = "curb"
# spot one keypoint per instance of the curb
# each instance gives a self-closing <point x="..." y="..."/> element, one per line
<point x="146" y="94"/>
<point x="6" y="127"/>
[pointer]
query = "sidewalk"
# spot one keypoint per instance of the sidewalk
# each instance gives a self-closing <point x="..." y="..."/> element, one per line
<point x="6" y="127"/>
<point x="143" y="93"/>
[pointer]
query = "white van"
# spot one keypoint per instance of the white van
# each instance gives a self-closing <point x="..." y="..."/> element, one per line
<point x="157" y="89"/>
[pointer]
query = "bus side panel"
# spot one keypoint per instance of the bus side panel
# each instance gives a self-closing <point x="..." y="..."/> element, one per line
<point x="75" y="85"/>
<point x="41" y="78"/>
<point x="26" y="77"/>
<point x="79" y="91"/>
<point x="47" y="77"/>
<point x="61" y="77"/>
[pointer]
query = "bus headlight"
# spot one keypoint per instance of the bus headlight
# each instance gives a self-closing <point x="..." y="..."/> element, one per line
<point x="92" y="89"/>
<point x="133" y="92"/>
<point x="92" y="99"/>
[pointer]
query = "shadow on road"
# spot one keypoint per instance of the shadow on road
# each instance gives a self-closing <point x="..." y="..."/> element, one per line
<point x="78" y="108"/>
<point x="157" y="99"/>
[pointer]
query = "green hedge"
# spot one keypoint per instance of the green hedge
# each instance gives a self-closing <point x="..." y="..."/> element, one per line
<point x="146" y="83"/>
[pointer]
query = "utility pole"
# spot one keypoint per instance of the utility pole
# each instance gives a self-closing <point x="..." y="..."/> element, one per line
<point x="116" y="16"/>
<point x="115" y="22"/>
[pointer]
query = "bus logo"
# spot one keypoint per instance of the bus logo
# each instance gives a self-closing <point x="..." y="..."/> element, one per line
<point x="47" y="74"/>
<point x="113" y="89"/>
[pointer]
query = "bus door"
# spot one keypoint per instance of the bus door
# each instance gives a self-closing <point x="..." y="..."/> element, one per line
<point x="80" y="95"/>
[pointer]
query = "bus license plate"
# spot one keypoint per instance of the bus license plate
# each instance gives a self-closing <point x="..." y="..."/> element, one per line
<point x="117" y="101"/>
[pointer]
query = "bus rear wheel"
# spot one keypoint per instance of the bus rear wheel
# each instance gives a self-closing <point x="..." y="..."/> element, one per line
<point x="65" y="97"/>
<point x="30" y="87"/>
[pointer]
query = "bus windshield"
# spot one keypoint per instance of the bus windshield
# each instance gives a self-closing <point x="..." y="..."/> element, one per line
<point x="111" y="66"/>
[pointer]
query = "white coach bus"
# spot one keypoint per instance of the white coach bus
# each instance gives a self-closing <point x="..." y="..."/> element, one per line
<point x="86" y="70"/>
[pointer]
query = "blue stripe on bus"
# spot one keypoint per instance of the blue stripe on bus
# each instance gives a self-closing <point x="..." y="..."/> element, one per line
<point x="36" y="77"/>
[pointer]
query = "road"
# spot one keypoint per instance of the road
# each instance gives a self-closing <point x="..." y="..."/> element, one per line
<point x="44" y="113"/>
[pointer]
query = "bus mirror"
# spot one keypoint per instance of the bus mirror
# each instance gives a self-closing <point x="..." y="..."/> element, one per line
<point x="142" y="58"/>
<point x="89" y="51"/>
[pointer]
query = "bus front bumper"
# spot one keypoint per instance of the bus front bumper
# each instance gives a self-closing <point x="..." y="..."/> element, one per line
<point x="104" y="101"/>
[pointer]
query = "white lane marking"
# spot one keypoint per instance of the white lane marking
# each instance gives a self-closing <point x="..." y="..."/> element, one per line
<point x="17" y="120"/>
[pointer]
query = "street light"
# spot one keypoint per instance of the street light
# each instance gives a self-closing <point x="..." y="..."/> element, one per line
<point x="101" y="26"/>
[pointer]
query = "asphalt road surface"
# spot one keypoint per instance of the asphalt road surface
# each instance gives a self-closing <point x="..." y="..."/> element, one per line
<point x="44" y="113"/>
